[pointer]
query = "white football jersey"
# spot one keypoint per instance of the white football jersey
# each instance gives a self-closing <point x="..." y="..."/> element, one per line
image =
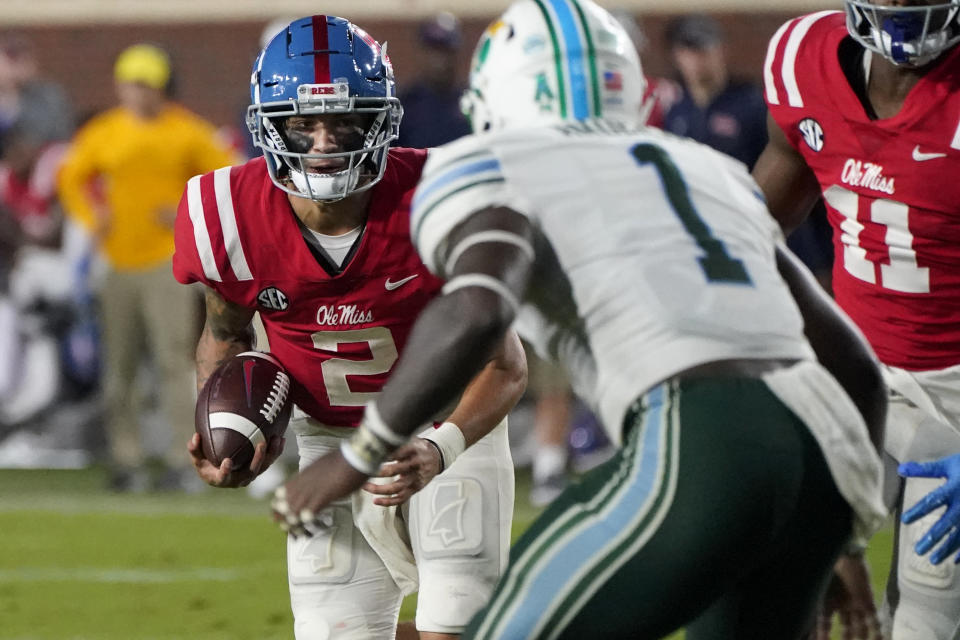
<point x="654" y="253"/>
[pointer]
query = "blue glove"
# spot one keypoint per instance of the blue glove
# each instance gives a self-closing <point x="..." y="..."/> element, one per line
<point x="946" y="495"/>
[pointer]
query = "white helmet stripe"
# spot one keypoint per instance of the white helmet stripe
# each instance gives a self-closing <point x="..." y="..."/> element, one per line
<point x="228" y="224"/>
<point x="200" y="234"/>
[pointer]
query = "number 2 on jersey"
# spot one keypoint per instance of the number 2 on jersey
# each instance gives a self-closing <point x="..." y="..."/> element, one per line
<point x="383" y="351"/>
<point x="717" y="264"/>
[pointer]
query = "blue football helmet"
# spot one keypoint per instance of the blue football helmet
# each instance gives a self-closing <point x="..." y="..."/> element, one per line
<point x="908" y="36"/>
<point x="323" y="65"/>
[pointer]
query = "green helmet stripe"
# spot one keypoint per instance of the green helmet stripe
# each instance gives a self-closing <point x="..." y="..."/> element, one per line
<point x="557" y="59"/>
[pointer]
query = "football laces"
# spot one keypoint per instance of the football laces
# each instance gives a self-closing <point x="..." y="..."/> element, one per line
<point x="277" y="397"/>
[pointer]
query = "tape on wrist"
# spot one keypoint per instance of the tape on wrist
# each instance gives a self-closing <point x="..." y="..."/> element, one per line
<point x="367" y="448"/>
<point x="856" y="546"/>
<point x="449" y="440"/>
<point x="379" y="428"/>
<point x="364" y="451"/>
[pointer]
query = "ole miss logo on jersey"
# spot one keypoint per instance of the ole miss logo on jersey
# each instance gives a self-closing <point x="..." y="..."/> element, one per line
<point x="866" y="174"/>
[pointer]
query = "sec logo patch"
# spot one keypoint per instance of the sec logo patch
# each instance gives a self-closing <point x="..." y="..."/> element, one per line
<point x="812" y="133"/>
<point x="273" y="299"/>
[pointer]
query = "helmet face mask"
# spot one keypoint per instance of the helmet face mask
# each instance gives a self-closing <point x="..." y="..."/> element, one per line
<point x="323" y="65"/>
<point x="551" y="61"/>
<point x="908" y="36"/>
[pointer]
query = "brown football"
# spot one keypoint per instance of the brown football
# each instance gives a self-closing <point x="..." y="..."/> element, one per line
<point x="244" y="402"/>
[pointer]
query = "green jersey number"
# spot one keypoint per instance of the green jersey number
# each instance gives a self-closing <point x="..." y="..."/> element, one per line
<point x="717" y="264"/>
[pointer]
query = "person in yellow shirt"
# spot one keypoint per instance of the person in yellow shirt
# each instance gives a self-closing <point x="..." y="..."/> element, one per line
<point x="122" y="179"/>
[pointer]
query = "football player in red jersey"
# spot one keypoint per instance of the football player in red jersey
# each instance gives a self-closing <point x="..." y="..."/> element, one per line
<point x="315" y="236"/>
<point x="864" y="112"/>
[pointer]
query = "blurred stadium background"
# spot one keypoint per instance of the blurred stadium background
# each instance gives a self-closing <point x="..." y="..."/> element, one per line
<point x="213" y="42"/>
<point x="80" y="563"/>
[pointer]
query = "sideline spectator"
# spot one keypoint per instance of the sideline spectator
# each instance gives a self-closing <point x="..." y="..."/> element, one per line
<point x="41" y="105"/>
<point x="431" y="103"/>
<point x="664" y="91"/>
<point x="722" y="112"/>
<point x="141" y="153"/>
<point x="730" y="115"/>
<point x="38" y="255"/>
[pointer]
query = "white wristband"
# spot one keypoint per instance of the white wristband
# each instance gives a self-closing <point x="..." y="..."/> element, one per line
<point x="449" y="440"/>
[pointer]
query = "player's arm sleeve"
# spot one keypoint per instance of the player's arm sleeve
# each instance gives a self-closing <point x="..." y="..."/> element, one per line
<point x="186" y="259"/>
<point x="458" y="180"/>
<point x="75" y="178"/>
<point x="458" y="333"/>
<point x="193" y="259"/>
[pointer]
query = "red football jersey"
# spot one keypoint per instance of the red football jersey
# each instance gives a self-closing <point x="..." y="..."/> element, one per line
<point x="890" y="185"/>
<point x="337" y="333"/>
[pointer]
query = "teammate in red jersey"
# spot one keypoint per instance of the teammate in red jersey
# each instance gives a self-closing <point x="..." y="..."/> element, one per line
<point x="864" y="111"/>
<point x="315" y="236"/>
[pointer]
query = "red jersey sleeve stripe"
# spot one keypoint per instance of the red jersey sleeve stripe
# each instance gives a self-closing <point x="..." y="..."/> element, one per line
<point x="200" y="234"/>
<point x="769" y="79"/>
<point x="788" y="65"/>
<point x="228" y="224"/>
<point x="955" y="143"/>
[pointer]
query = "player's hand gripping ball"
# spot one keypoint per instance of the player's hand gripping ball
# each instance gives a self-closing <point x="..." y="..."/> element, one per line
<point x="243" y="403"/>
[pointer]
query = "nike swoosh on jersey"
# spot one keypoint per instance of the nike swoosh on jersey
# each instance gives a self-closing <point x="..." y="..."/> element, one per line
<point x="390" y="286"/>
<point x="920" y="156"/>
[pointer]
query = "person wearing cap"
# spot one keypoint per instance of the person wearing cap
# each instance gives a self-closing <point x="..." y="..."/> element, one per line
<point x="431" y="103"/>
<point x="730" y="115"/>
<point x="122" y="179"/>
<point x="28" y="100"/>
<point x="722" y="112"/>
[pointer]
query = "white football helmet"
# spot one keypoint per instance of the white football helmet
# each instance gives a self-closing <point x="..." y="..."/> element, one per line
<point x="549" y="61"/>
<point x="909" y="36"/>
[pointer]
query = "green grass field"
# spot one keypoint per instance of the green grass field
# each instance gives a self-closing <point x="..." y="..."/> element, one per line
<point x="79" y="563"/>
